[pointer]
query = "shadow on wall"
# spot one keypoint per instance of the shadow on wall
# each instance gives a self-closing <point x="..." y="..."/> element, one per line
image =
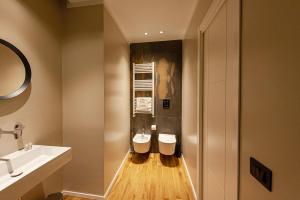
<point x="36" y="193"/>
<point x="45" y="15"/>
<point x="12" y="105"/>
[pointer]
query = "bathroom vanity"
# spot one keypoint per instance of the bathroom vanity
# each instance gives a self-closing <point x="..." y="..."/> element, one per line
<point x="30" y="167"/>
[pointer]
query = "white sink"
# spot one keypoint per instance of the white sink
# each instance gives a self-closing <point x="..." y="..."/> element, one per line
<point x="36" y="165"/>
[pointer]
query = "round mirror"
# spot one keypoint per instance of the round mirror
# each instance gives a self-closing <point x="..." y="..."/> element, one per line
<point x="15" y="72"/>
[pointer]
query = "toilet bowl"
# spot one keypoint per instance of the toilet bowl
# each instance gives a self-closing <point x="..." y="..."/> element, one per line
<point x="166" y="144"/>
<point x="141" y="143"/>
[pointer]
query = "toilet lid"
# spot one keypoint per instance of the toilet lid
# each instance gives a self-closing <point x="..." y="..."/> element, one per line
<point x="167" y="138"/>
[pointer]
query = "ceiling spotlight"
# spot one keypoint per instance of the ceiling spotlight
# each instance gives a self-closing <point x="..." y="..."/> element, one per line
<point x="146" y="33"/>
<point x="161" y="32"/>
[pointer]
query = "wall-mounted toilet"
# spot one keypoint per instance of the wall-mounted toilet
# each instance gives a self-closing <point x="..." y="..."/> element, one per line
<point x="141" y="143"/>
<point x="166" y="144"/>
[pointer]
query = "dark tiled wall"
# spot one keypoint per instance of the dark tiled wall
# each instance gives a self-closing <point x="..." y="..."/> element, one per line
<point x="167" y="56"/>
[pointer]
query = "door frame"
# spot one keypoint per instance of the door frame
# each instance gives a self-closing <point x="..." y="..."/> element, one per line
<point x="233" y="49"/>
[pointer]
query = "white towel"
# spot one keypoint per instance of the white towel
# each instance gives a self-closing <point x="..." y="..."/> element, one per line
<point x="143" y="104"/>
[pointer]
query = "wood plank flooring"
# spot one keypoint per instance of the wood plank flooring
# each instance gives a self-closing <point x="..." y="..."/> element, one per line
<point x="73" y="198"/>
<point x="150" y="177"/>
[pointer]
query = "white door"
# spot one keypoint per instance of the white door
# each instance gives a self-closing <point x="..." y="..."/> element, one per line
<point x="221" y="98"/>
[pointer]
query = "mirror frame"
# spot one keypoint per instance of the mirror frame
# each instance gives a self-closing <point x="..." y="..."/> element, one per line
<point x="26" y="64"/>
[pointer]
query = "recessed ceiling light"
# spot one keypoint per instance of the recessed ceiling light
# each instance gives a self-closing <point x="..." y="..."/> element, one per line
<point x="146" y="33"/>
<point x="161" y="32"/>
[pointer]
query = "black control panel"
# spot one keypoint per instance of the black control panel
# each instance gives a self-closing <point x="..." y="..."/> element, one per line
<point x="166" y="103"/>
<point x="261" y="173"/>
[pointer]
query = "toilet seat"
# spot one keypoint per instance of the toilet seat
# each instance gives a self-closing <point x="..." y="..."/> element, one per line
<point x="139" y="138"/>
<point x="167" y="138"/>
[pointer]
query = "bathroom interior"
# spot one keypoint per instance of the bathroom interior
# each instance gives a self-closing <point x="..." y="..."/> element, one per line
<point x="149" y="100"/>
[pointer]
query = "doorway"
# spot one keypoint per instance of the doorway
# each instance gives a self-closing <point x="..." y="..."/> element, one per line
<point x="219" y="37"/>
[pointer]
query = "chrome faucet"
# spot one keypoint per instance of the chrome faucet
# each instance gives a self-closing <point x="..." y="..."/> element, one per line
<point x="8" y="164"/>
<point x="10" y="168"/>
<point x="17" y="133"/>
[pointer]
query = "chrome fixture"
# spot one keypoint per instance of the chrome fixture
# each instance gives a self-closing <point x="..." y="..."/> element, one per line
<point x="10" y="168"/>
<point x="17" y="133"/>
<point x="8" y="164"/>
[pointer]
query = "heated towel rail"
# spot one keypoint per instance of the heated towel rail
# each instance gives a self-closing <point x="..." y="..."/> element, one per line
<point x="143" y="85"/>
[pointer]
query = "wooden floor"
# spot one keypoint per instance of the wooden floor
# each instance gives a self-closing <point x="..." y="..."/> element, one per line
<point x="73" y="198"/>
<point x="150" y="177"/>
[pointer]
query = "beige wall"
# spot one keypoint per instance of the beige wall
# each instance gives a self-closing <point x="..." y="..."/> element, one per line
<point x="34" y="27"/>
<point x="190" y="92"/>
<point x="117" y="98"/>
<point x="78" y="47"/>
<point x="83" y="98"/>
<point x="270" y="104"/>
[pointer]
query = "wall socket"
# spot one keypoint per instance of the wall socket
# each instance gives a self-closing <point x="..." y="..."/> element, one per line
<point x="261" y="173"/>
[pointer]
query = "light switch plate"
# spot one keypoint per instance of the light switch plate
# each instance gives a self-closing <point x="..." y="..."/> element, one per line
<point x="261" y="173"/>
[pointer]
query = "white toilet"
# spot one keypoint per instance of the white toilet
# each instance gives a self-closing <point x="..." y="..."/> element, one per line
<point x="166" y="144"/>
<point x="141" y="143"/>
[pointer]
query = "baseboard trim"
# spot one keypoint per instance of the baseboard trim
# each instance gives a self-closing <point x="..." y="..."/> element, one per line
<point x="82" y="3"/>
<point x="83" y="195"/>
<point x="116" y="175"/>
<point x="189" y="177"/>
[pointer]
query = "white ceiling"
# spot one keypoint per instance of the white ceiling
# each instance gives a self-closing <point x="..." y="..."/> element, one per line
<point x="135" y="17"/>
